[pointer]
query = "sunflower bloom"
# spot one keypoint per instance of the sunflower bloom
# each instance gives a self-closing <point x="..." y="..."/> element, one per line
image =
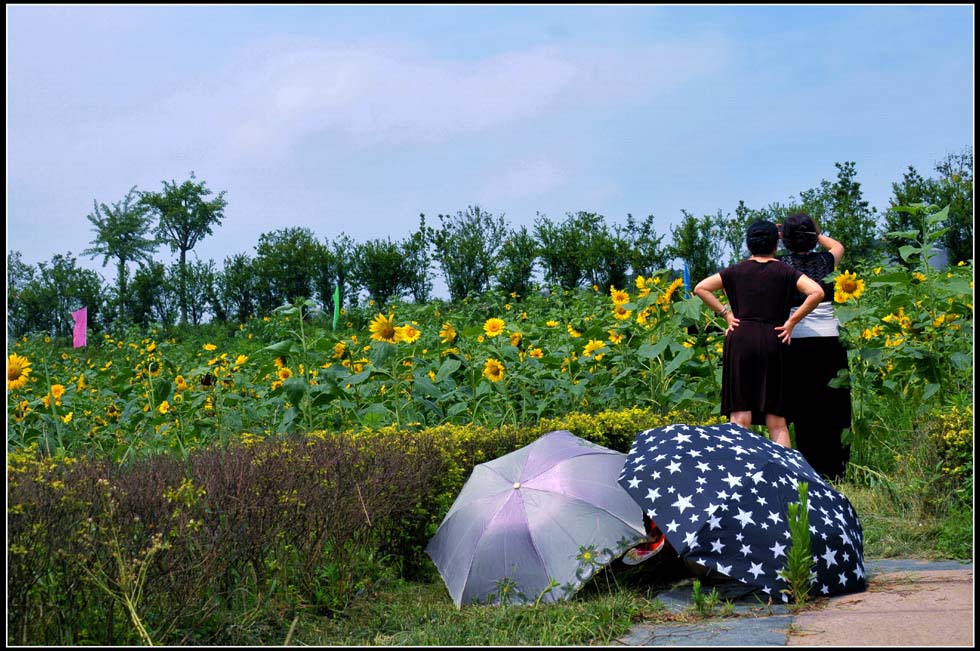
<point x="847" y="286"/>
<point x="164" y="407"/>
<point x="572" y="332"/>
<point x="57" y="390"/>
<point x="536" y="353"/>
<point x="515" y="339"/>
<point x="241" y="359"/>
<point x="407" y="333"/>
<point x="493" y="327"/>
<point x="383" y="328"/>
<point x="619" y="296"/>
<point x="493" y="370"/>
<point x="67" y="417"/>
<point x="592" y="347"/>
<point x="614" y="336"/>
<point x="285" y="373"/>
<point x="209" y="347"/>
<point x="18" y="368"/>
<point x="447" y="334"/>
<point x="338" y="349"/>
<point x="621" y="313"/>
<point x="551" y="323"/>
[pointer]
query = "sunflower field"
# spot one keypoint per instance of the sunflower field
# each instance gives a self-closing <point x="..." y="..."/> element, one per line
<point x="495" y="364"/>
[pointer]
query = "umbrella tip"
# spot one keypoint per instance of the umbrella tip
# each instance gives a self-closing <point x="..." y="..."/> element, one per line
<point x="517" y="485"/>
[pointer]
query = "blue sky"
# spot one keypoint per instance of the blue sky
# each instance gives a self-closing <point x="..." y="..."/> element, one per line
<point x="355" y="119"/>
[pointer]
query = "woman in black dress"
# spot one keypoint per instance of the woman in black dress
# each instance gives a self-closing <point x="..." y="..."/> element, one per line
<point x="818" y="412"/>
<point x="760" y="291"/>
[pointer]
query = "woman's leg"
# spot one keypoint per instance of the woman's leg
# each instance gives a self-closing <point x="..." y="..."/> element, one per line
<point x="743" y="418"/>
<point x="778" y="430"/>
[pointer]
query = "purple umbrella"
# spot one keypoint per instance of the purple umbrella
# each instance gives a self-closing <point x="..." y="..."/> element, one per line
<point x="536" y="523"/>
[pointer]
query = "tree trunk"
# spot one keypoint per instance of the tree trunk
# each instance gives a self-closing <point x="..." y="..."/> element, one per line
<point x="183" y="286"/>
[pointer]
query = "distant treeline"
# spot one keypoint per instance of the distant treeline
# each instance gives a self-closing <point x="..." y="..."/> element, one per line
<point x="474" y="250"/>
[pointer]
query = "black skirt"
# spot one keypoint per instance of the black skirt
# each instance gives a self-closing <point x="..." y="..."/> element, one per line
<point x="818" y="412"/>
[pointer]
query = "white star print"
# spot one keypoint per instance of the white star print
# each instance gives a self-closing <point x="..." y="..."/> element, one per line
<point x="777" y="550"/>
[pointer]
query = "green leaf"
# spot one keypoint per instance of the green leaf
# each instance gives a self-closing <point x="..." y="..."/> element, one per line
<point x="653" y="351"/>
<point x="908" y="251"/>
<point x="448" y="367"/>
<point x="359" y="377"/>
<point x="424" y="386"/>
<point x="690" y="308"/>
<point x="961" y="361"/>
<point x="930" y="391"/>
<point x="288" y="418"/>
<point x="684" y="355"/>
<point x="295" y="389"/>
<point x="374" y="416"/>
<point x="458" y="408"/>
<point x="285" y="346"/>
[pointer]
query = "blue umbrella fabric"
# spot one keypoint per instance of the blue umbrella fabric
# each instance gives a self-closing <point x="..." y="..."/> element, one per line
<point x="536" y="523"/>
<point x="720" y="494"/>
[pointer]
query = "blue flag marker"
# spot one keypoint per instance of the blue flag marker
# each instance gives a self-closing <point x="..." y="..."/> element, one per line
<point x="687" y="280"/>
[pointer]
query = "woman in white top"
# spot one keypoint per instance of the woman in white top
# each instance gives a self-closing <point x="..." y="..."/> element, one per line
<point x="818" y="412"/>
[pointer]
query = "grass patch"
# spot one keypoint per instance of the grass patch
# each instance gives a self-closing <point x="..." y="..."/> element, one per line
<point x="422" y="614"/>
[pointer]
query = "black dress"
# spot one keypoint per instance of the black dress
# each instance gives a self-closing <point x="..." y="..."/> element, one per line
<point x="754" y="360"/>
<point x="818" y="412"/>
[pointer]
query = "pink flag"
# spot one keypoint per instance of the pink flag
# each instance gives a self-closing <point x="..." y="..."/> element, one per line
<point x="81" y="323"/>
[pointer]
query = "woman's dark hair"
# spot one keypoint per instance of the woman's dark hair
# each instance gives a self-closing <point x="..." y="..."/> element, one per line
<point x="761" y="237"/>
<point x="799" y="232"/>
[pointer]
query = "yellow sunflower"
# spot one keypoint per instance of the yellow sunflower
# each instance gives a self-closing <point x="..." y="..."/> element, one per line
<point x="285" y="373"/>
<point x="18" y="368"/>
<point x="619" y="296"/>
<point x="621" y="313"/>
<point x="592" y="347"/>
<point x="493" y="370"/>
<point x="847" y="286"/>
<point x="383" y="328"/>
<point x="515" y="339"/>
<point x="407" y="333"/>
<point x="493" y="327"/>
<point x="57" y="390"/>
<point x="447" y="334"/>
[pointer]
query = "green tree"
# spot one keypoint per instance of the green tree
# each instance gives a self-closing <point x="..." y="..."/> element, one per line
<point x="19" y="277"/>
<point x="343" y="256"/>
<point x="286" y="266"/>
<point x="186" y="216"/>
<point x="237" y="287"/>
<point x="954" y="188"/>
<point x="381" y="269"/>
<point x="153" y="296"/>
<point x="561" y="247"/>
<point x="841" y="211"/>
<point x="606" y="254"/>
<point x="731" y="230"/>
<point x="517" y="258"/>
<point x="49" y="296"/>
<point x="467" y="245"/>
<point x="647" y="252"/>
<point x="912" y="190"/>
<point x="121" y="233"/>
<point x="418" y="258"/>
<point x="201" y="278"/>
<point x="696" y="242"/>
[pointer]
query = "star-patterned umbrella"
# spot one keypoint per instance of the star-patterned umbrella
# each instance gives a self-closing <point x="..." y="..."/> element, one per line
<point x="720" y="495"/>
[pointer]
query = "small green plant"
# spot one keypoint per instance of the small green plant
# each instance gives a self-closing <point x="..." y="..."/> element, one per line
<point x="704" y="604"/>
<point x="798" y="572"/>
